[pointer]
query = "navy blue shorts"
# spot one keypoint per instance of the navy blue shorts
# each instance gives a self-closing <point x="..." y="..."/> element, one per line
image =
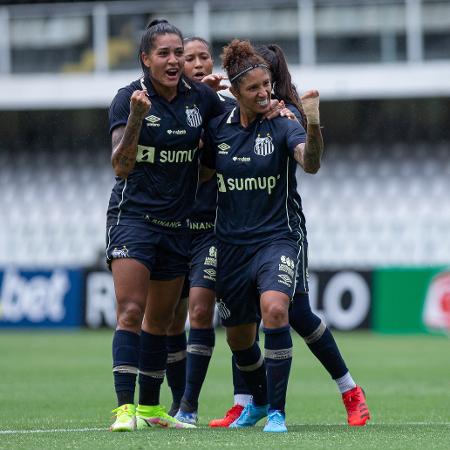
<point x="166" y="256"/>
<point x="244" y="272"/>
<point x="203" y="256"/>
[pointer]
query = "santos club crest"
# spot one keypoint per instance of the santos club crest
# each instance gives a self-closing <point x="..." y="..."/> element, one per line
<point x="263" y="146"/>
<point x="194" y="119"/>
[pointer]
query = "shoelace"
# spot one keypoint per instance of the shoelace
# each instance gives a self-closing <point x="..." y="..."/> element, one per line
<point x="277" y="418"/>
<point x="352" y="402"/>
<point x="119" y="411"/>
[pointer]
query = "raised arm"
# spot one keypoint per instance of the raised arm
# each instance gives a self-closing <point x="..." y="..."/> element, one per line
<point x="309" y="155"/>
<point x="125" y="138"/>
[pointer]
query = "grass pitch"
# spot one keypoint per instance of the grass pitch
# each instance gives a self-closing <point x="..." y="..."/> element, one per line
<point x="56" y="392"/>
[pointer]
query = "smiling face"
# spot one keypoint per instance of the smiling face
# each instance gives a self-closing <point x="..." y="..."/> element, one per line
<point x="199" y="62"/>
<point x="165" y="61"/>
<point x="253" y="92"/>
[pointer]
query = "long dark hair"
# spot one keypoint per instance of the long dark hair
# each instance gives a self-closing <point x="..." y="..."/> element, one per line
<point x="282" y="85"/>
<point x="155" y="28"/>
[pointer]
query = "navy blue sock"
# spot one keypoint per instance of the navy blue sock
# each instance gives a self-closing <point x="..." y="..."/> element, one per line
<point x="199" y="351"/>
<point x="278" y="357"/>
<point x="239" y="385"/>
<point x="253" y="370"/>
<point x="125" y="353"/>
<point x="152" y="367"/>
<point x="317" y="336"/>
<point x="176" y="365"/>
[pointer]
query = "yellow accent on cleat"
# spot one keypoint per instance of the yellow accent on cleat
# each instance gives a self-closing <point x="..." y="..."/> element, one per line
<point x="156" y="416"/>
<point x="125" y="418"/>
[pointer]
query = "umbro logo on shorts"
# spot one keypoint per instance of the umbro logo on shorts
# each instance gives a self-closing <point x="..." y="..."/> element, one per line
<point x="224" y="312"/>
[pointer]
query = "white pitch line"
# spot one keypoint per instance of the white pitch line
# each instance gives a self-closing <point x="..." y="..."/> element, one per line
<point x="78" y="430"/>
<point x="56" y="430"/>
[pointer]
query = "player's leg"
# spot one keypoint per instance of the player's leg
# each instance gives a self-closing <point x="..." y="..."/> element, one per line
<point x="162" y="299"/>
<point x="320" y="341"/>
<point x="250" y="363"/>
<point x="131" y="280"/>
<point x="199" y="350"/>
<point x="176" y="351"/>
<point x="278" y="355"/>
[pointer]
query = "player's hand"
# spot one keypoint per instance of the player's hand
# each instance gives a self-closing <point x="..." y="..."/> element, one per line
<point x="278" y="108"/>
<point x="140" y="103"/>
<point x="214" y="81"/>
<point x="310" y="103"/>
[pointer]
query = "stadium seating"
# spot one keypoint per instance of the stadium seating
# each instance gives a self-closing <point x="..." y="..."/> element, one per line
<point x="367" y="206"/>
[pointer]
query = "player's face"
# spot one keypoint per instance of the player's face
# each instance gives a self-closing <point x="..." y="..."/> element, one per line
<point x="165" y="61"/>
<point x="199" y="62"/>
<point x="254" y="92"/>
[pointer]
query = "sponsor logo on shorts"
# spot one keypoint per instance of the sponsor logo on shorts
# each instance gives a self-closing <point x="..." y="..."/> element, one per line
<point x="211" y="260"/>
<point x="247" y="184"/>
<point x="263" y="146"/>
<point x="224" y="312"/>
<point x="285" y="279"/>
<point x="287" y="265"/>
<point x="193" y="117"/>
<point x="119" y="253"/>
<point x="209" y="274"/>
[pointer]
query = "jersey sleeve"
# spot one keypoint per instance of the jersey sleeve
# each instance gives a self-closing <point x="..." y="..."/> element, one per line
<point x="119" y="109"/>
<point x="295" y="134"/>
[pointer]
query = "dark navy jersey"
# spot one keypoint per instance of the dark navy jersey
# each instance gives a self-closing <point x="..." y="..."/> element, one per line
<point x="255" y="168"/>
<point x="204" y="213"/>
<point x="160" y="190"/>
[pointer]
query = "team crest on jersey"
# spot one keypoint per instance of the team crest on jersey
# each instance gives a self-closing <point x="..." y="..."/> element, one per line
<point x="264" y="146"/>
<point x="194" y="119"/>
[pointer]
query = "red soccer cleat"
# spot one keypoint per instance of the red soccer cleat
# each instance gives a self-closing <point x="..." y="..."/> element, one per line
<point x="356" y="406"/>
<point x="230" y="416"/>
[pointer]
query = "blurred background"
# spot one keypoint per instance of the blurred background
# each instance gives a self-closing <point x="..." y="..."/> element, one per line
<point x="378" y="212"/>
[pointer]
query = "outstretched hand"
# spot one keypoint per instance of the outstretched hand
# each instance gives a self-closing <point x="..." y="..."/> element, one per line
<point x="214" y="81"/>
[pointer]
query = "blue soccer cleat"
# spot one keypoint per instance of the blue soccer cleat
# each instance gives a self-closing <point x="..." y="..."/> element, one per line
<point x="250" y="416"/>
<point x="187" y="417"/>
<point x="276" y="422"/>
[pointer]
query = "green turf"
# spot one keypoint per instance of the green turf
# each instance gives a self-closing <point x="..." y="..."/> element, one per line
<point x="63" y="381"/>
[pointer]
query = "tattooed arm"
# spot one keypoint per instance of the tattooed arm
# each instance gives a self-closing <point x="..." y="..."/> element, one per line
<point x="308" y="155"/>
<point x="125" y="138"/>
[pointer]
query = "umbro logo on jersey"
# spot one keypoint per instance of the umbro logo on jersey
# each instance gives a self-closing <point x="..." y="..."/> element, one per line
<point x="263" y="146"/>
<point x="223" y="148"/>
<point x="193" y="117"/>
<point x="153" y="121"/>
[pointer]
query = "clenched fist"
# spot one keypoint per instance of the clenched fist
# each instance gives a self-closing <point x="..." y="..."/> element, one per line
<point x="310" y="103"/>
<point x="140" y="103"/>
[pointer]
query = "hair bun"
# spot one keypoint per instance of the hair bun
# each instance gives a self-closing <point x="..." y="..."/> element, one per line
<point x="156" y="22"/>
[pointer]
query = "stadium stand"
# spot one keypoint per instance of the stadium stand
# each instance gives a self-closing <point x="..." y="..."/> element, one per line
<point x="367" y="206"/>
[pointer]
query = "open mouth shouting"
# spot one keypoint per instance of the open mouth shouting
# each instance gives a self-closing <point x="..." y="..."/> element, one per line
<point x="173" y="74"/>
<point x="198" y="75"/>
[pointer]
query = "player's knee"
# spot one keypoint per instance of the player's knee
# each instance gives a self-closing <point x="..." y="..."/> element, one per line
<point x="201" y="315"/>
<point x="129" y="315"/>
<point x="275" y="314"/>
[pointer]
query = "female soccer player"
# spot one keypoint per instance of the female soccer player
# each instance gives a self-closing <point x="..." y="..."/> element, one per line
<point x="307" y="324"/>
<point x="258" y="228"/>
<point x="156" y="123"/>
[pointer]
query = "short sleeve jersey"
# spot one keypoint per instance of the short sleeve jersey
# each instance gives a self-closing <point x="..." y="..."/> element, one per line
<point x="255" y="168"/>
<point x="160" y="190"/>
